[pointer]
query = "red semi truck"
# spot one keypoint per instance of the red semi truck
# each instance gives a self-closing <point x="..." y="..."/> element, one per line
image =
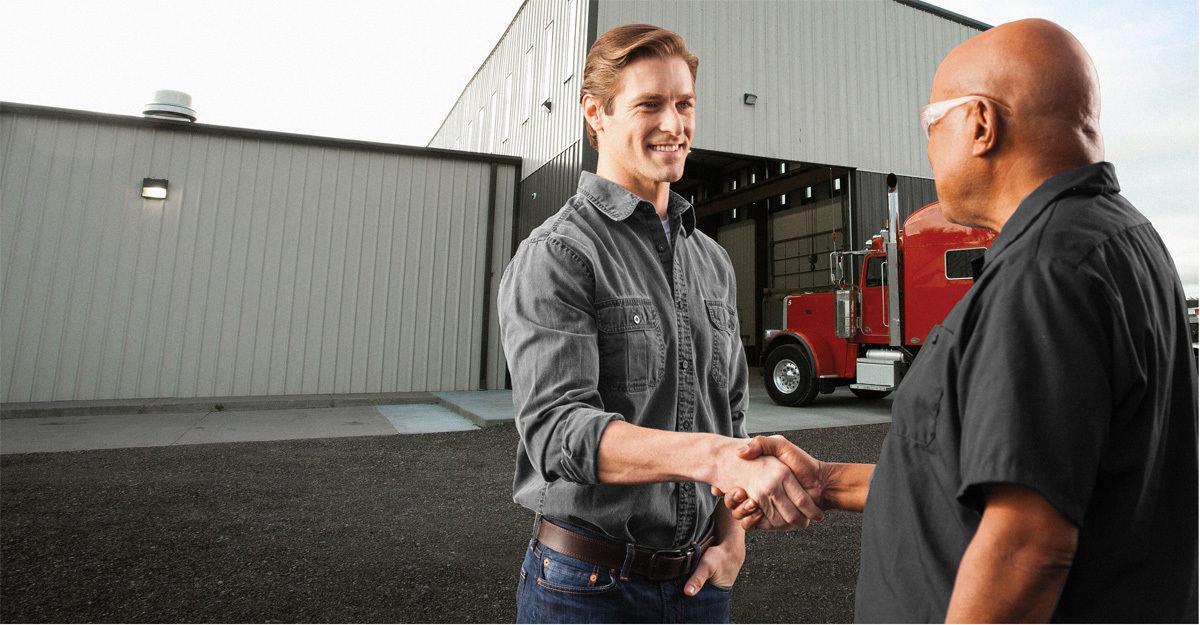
<point x="865" y="334"/>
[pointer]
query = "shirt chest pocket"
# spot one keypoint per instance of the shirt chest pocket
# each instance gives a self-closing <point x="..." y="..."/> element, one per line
<point x="631" y="346"/>
<point x="918" y="402"/>
<point x="723" y="321"/>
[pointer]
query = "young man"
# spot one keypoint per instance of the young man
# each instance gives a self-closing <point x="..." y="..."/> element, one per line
<point x="1042" y="459"/>
<point x="629" y="379"/>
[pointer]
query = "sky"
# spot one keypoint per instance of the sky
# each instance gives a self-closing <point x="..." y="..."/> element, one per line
<point x="390" y="70"/>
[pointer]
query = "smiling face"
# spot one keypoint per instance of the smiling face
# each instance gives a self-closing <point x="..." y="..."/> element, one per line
<point x="644" y="141"/>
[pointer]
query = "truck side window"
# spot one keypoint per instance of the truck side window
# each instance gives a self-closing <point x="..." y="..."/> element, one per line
<point x="958" y="262"/>
<point x="875" y="271"/>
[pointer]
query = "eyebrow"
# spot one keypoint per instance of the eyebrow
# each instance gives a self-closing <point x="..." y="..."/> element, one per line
<point x="658" y="96"/>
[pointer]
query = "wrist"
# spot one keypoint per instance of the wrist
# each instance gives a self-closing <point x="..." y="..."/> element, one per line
<point x="844" y="486"/>
<point x="715" y="454"/>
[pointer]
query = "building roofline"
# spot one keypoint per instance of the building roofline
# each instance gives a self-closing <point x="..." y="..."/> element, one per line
<point x="943" y="13"/>
<point x="477" y="70"/>
<point x="247" y="133"/>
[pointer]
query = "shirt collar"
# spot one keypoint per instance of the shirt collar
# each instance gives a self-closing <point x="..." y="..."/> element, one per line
<point x="1090" y="179"/>
<point x="617" y="203"/>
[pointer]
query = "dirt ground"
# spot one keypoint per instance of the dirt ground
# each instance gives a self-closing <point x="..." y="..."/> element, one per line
<point x="416" y="528"/>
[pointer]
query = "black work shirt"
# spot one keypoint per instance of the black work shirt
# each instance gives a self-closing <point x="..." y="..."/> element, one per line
<point x="604" y="319"/>
<point x="1067" y="369"/>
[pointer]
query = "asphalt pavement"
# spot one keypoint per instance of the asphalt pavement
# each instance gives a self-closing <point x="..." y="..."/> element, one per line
<point x="379" y="526"/>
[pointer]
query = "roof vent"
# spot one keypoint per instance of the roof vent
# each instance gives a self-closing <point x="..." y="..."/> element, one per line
<point x="168" y="104"/>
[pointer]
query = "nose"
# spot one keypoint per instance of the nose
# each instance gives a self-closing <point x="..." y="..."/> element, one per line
<point x="671" y="121"/>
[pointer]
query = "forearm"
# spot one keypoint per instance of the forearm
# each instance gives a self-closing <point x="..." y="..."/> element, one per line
<point x="844" y="486"/>
<point x="631" y="454"/>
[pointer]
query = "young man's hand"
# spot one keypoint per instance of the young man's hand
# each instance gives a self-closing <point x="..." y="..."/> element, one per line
<point x="721" y="563"/>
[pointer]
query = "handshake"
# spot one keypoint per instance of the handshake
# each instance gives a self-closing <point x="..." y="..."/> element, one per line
<point x="771" y="484"/>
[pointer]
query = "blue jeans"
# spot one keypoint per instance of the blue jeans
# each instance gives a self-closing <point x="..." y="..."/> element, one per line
<point x="556" y="588"/>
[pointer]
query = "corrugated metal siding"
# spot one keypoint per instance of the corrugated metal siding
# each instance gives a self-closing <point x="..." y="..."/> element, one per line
<point x="273" y="267"/>
<point x="554" y="183"/>
<point x="838" y="82"/>
<point x="544" y="135"/>
<point x="870" y="199"/>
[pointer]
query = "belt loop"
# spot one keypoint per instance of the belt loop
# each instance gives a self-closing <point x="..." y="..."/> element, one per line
<point x="630" y="550"/>
<point x="537" y="525"/>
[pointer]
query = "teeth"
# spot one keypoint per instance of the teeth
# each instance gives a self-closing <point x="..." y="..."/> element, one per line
<point x="665" y="148"/>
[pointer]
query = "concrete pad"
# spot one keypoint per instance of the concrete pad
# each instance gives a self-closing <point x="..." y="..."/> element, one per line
<point x="485" y="408"/>
<point x="424" y="418"/>
<point x="43" y="434"/>
<point x="841" y="408"/>
<point x="292" y="424"/>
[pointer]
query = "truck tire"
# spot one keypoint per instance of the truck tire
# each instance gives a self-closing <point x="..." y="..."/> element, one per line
<point x="789" y="376"/>
<point x="866" y="393"/>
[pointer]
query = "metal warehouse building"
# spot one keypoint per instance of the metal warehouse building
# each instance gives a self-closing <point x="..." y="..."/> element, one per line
<point x="803" y="108"/>
<point x="280" y="264"/>
<point x="276" y="265"/>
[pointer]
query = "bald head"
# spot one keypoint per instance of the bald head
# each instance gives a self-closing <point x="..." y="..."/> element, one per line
<point x="987" y="157"/>
<point x="1039" y="70"/>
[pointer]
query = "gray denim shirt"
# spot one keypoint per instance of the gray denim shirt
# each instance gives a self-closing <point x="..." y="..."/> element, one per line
<point x="605" y="319"/>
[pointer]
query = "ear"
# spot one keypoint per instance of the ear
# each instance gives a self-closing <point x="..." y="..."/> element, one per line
<point x="985" y="120"/>
<point x="593" y="113"/>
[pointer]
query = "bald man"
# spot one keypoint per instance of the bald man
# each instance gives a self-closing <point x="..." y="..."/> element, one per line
<point x="1041" y="463"/>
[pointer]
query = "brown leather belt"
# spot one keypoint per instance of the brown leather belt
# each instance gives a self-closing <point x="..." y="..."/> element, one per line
<point x="657" y="565"/>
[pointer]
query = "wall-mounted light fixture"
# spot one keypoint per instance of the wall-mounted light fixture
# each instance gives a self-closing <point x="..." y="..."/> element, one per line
<point x="749" y="98"/>
<point x="154" y="188"/>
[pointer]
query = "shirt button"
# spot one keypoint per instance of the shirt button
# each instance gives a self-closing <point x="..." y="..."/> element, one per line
<point x="637" y="319"/>
<point x="662" y="247"/>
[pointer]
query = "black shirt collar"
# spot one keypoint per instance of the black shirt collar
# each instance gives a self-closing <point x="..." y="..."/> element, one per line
<point x="617" y="203"/>
<point x="1090" y="179"/>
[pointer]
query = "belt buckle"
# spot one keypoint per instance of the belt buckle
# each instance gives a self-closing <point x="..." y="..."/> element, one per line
<point x="688" y="554"/>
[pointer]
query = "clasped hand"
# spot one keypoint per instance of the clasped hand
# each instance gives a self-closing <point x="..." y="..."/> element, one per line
<point x="786" y="494"/>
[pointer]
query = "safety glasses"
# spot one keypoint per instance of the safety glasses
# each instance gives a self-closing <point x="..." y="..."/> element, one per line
<point x="932" y="112"/>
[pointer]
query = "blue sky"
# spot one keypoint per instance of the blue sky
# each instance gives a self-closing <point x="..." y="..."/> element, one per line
<point x="389" y="70"/>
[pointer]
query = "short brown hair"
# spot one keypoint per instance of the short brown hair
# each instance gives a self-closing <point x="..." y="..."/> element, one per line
<point x="619" y="47"/>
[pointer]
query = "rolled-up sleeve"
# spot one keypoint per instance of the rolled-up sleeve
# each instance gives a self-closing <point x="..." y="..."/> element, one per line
<point x="548" y="327"/>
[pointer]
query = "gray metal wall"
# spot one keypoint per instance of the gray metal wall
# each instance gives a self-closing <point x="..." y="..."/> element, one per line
<point x="275" y="266"/>
<point x="554" y="182"/>
<point x="838" y="82"/>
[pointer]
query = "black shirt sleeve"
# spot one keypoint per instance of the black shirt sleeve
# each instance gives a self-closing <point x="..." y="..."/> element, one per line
<point x="1036" y="388"/>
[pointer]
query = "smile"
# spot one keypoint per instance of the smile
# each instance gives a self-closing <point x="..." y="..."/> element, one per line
<point x="665" y="148"/>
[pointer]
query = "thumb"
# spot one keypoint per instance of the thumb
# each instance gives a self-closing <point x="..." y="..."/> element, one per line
<point x="772" y="445"/>
<point x="704" y="571"/>
<point x="752" y="449"/>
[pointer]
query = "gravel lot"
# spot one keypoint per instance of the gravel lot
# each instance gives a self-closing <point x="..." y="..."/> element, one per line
<point x="417" y="528"/>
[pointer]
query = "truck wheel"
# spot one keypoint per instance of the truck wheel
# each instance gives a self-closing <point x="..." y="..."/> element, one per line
<point x="789" y="376"/>
<point x="866" y="393"/>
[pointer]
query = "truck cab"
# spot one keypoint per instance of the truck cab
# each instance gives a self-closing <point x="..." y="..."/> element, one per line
<point x="866" y="333"/>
